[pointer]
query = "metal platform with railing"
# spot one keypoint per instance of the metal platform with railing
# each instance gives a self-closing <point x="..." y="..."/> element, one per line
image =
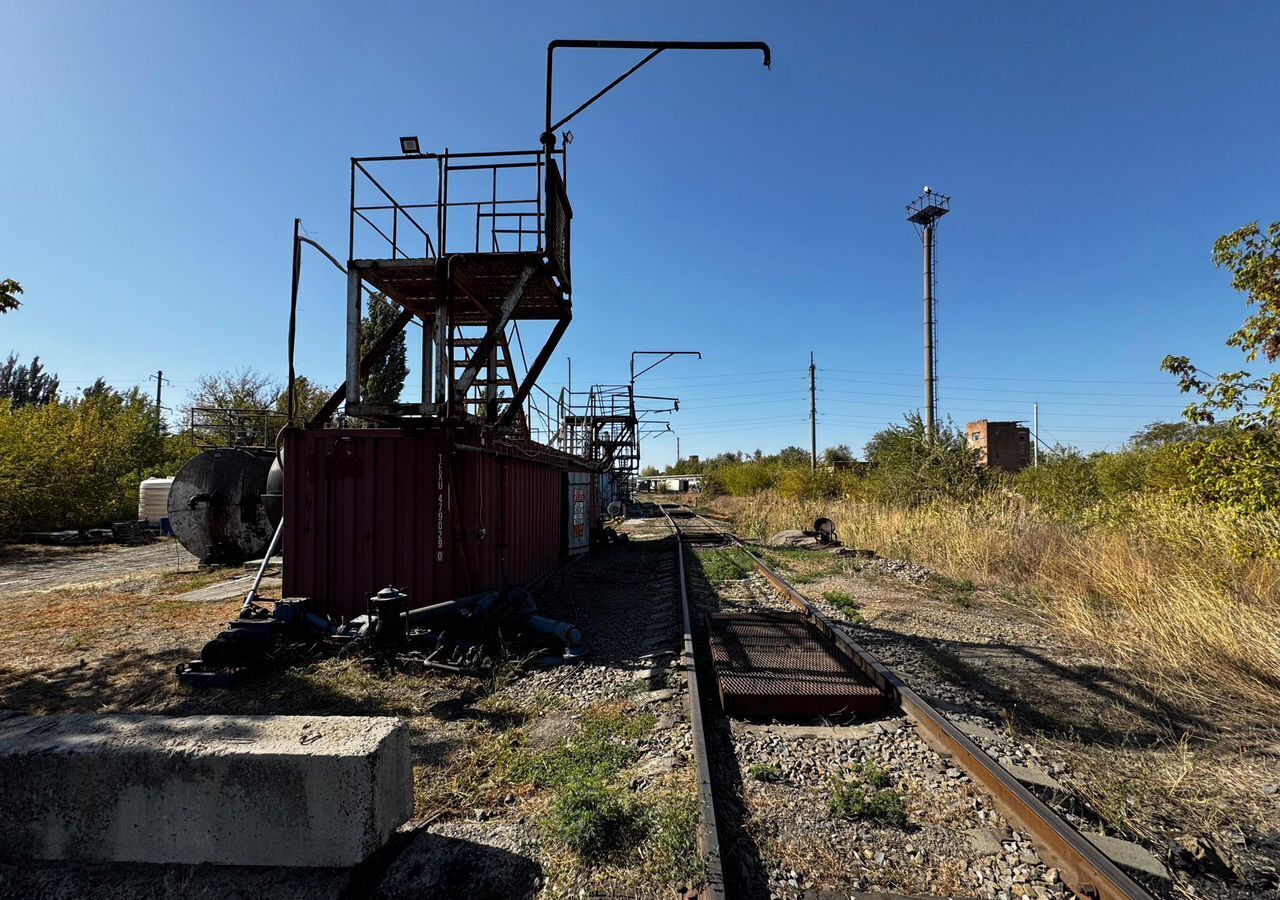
<point x="469" y="244"/>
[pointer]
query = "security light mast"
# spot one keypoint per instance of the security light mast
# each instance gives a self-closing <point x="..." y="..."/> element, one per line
<point x="924" y="212"/>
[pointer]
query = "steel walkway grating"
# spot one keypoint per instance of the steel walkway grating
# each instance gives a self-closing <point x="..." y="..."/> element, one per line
<point x="775" y="664"/>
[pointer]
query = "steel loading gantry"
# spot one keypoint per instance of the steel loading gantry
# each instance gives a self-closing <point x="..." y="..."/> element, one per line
<point x="488" y="251"/>
<point x="470" y="253"/>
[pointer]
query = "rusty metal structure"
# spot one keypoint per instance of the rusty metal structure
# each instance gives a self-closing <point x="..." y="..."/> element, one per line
<point x="773" y="664"/>
<point x="483" y="480"/>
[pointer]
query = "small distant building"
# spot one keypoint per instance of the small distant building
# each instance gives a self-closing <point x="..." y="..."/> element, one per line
<point x="1000" y="445"/>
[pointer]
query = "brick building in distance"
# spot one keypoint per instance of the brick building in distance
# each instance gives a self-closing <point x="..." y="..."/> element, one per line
<point x="1001" y="445"/>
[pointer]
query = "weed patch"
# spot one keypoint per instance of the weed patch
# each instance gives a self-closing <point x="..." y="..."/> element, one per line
<point x="672" y="820"/>
<point x="959" y="591"/>
<point x="854" y="801"/>
<point x="766" y="772"/>
<point x="724" y="565"/>
<point x="843" y="602"/>
<point x="593" y="821"/>
<point x="603" y="747"/>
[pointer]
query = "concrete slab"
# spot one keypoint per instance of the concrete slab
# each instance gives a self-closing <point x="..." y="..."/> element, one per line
<point x="987" y="841"/>
<point x="225" y="590"/>
<point x="1034" y="777"/>
<point x="1128" y="855"/>
<point x="854" y="732"/>
<point x="228" y="790"/>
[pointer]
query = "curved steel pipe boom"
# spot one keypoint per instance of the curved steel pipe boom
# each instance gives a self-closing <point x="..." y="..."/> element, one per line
<point x="655" y="47"/>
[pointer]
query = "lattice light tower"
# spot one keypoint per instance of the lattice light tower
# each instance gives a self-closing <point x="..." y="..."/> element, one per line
<point x="924" y="212"/>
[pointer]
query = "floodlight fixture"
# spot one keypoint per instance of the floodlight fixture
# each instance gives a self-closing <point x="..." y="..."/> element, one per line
<point x="409" y="146"/>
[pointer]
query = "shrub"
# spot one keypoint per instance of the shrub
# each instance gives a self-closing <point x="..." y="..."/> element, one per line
<point x="854" y="801"/>
<point x="593" y="821"/>
<point x="76" y="463"/>
<point x="766" y="772"/>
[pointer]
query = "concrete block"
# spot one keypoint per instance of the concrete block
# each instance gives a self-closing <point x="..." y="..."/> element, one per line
<point x="1034" y="777"/>
<point x="1128" y="855"/>
<point x="230" y="790"/>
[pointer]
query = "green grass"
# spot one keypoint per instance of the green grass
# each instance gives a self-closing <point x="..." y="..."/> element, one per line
<point x="603" y="747"/>
<point x="725" y="565"/>
<point x="843" y="602"/>
<point x="853" y="801"/>
<point x="958" y="591"/>
<point x="672" y="822"/>
<point x="866" y="797"/>
<point x="766" y="772"/>
<point x="593" y="821"/>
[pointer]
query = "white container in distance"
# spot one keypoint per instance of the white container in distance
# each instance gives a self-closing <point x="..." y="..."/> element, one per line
<point x="153" y="501"/>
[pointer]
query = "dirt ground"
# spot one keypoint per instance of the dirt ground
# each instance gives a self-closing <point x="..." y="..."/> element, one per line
<point x="101" y="629"/>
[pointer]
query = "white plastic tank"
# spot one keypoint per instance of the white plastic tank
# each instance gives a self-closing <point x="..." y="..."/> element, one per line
<point x="153" y="500"/>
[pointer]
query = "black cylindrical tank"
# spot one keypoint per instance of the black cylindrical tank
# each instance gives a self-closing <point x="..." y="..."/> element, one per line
<point x="215" y="504"/>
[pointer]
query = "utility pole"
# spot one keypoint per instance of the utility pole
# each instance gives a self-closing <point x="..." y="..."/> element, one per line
<point x="813" y="417"/>
<point x="159" y="377"/>
<point x="677" y="451"/>
<point x="1035" y="435"/>
<point x="924" y="213"/>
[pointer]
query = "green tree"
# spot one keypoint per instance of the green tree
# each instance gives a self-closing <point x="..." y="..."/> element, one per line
<point x="1253" y="256"/>
<point x="837" y="456"/>
<point x="75" y="463"/>
<point x="28" y="385"/>
<point x="907" y="467"/>
<point x="386" y="378"/>
<point x="9" y="291"/>
<point x="308" y="397"/>
<point x="1162" y="434"/>
<point x="1065" y="484"/>
<point x="238" y="400"/>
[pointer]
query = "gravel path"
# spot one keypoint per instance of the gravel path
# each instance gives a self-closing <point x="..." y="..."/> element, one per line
<point x="27" y="569"/>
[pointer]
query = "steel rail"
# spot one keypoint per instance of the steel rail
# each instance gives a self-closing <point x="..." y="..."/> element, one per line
<point x="709" y="831"/>
<point x="1084" y="868"/>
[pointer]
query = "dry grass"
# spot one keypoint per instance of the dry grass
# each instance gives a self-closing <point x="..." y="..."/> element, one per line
<point x="1168" y="592"/>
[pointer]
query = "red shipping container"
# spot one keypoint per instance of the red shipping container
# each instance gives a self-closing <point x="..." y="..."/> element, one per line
<point x="367" y="508"/>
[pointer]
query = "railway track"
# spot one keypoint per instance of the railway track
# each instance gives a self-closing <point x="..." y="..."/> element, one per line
<point x="1081" y="868"/>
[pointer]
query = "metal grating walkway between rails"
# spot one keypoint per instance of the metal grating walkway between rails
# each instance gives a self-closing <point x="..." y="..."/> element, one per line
<point x="775" y="664"/>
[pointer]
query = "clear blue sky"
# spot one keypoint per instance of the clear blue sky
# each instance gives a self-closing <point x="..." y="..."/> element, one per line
<point x="155" y="154"/>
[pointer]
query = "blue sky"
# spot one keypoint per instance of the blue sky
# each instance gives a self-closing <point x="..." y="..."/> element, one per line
<point x="155" y="155"/>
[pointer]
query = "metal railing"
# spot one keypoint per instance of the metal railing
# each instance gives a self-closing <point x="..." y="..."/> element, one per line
<point x="511" y="201"/>
<point x="220" y="426"/>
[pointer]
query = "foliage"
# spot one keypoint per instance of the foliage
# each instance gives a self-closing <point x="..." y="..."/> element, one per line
<point x="1065" y="483"/>
<point x="1253" y="256"/>
<point x="76" y="463"/>
<point x="242" y="388"/>
<point x="594" y="821"/>
<point x="857" y="801"/>
<point x="1239" y="469"/>
<point x="766" y="772"/>
<point x="839" y="455"/>
<point x="9" y="291"/>
<point x="28" y="385"/>
<point x="909" y="467"/>
<point x="308" y="398"/>
<point x="386" y="377"/>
